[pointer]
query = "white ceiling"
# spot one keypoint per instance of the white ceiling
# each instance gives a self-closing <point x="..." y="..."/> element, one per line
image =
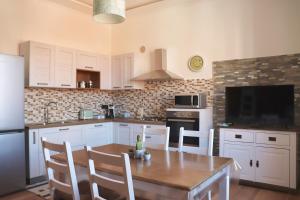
<point x="130" y="4"/>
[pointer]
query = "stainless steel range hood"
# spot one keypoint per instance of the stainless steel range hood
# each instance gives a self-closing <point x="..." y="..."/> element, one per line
<point x="159" y="71"/>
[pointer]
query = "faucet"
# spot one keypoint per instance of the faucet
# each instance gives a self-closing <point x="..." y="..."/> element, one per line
<point x="46" y="111"/>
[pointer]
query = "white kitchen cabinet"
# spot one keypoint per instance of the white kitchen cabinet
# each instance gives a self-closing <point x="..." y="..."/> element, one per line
<point x="245" y="156"/>
<point x="116" y="72"/>
<point x="124" y="131"/>
<point x="155" y="136"/>
<point x="273" y="155"/>
<point x="65" y="68"/>
<point x="98" y="134"/>
<point x="32" y="148"/>
<point x="136" y="130"/>
<point x="105" y="72"/>
<point x="73" y="135"/>
<point x="127" y="134"/>
<point x="123" y="70"/>
<point x="39" y="64"/>
<point x="128" y="67"/>
<point x="272" y="166"/>
<point x="78" y="136"/>
<point x="52" y="135"/>
<point x="87" y="61"/>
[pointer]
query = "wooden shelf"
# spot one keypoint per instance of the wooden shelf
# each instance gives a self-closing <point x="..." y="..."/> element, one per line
<point x="86" y="76"/>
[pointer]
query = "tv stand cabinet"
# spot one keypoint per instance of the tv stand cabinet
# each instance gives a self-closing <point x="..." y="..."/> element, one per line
<point x="267" y="157"/>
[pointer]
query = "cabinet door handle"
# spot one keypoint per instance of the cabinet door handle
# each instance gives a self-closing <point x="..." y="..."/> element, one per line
<point x="257" y="164"/>
<point x="65" y="85"/>
<point x="238" y="136"/>
<point x="128" y="86"/>
<point x="181" y="120"/>
<point x="99" y="125"/>
<point x="251" y="163"/>
<point x="64" y="129"/>
<point x="34" y="137"/>
<point x="148" y="126"/>
<point x="116" y="87"/>
<point x="123" y="124"/>
<point x="272" y="139"/>
<point x="148" y="137"/>
<point x="88" y="67"/>
<point x="42" y="83"/>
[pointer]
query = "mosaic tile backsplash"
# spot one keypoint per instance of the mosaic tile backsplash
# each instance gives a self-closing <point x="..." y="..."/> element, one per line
<point x="159" y="95"/>
<point x="68" y="103"/>
<point x="154" y="99"/>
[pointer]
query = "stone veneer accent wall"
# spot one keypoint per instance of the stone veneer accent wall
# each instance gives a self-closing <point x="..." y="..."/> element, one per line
<point x="154" y="99"/>
<point x="275" y="70"/>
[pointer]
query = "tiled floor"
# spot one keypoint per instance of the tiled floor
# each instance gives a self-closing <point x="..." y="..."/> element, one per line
<point x="237" y="193"/>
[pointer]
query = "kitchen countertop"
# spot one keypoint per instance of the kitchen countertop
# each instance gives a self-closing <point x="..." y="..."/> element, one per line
<point x="92" y="121"/>
<point x="265" y="128"/>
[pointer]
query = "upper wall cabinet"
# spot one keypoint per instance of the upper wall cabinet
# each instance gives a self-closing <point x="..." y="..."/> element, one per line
<point x="87" y="61"/>
<point x="105" y="72"/>
<point x="128" y="70"/>
<point x="55" y="67"/>
<point x="123" y="70"/>
<point x="65" y="68"/>
<point x="116" y="72"/>
<point x="39" y="64"/>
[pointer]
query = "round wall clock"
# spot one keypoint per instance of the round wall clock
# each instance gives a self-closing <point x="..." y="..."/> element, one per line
<point x="196" y="63"/>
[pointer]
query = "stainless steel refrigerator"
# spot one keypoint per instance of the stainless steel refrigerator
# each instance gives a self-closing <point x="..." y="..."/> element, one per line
<point x="12" y="138"/>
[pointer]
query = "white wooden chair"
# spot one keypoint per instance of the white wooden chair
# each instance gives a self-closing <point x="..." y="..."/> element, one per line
<point x="205" y="146"/>
<point x="102" y="181"/>
<point x="156" y="137"/>
<point x="60" y="189"/>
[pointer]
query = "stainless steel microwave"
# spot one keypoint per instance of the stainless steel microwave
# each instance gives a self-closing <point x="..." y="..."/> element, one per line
<point x="190" y="100"/>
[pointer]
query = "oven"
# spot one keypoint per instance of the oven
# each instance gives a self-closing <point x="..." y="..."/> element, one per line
<point x="189" y="120"/>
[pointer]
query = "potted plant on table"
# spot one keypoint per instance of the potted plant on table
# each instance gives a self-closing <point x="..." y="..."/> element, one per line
<point x="147" y="155"/>
<point x="139" y="151"/>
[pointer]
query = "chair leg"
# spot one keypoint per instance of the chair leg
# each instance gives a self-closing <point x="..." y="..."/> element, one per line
<point x="209" y="195"/>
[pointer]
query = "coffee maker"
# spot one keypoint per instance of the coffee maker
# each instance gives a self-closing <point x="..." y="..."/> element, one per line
<point x="109" y="111"/>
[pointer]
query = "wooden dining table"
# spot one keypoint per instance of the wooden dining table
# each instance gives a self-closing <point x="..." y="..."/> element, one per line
<point x="168" y="175"/>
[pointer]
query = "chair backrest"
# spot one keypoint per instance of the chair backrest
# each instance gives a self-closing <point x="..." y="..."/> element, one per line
<point x="125" y="186"/>
<point x="156" y="137"/>
<point x="205" y="146"/>
<point x="54" y="167"/>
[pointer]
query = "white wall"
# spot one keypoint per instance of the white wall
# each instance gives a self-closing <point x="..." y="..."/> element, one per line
<point x="214" y="29"/>
<point x="49" y="22"/>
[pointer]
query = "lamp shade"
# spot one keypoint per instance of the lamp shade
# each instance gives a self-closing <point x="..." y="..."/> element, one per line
<point x="109" y="11"/>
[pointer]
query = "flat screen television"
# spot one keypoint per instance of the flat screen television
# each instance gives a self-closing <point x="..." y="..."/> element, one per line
<point x="260" y="105"/>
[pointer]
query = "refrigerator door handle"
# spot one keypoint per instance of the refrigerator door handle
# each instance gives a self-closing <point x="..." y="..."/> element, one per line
<point x="34" y="137"/>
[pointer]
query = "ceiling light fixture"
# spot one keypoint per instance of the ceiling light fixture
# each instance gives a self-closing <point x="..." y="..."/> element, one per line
<point x="109" y="11"/>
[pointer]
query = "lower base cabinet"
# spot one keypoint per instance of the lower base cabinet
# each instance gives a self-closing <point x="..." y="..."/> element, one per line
<point x="123" y="133"/>
<point x="98" y="134"/>
<point x="80" y="135"/>
<point x="245" y="156"/>
<point x="267" y="157"/>
<point x="272" y="166"/>
<point x="127" y="134"/>
<point x="137" y="130"/>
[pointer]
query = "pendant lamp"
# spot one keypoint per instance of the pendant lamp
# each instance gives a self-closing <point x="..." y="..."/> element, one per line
<point x="109" y="11"/>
